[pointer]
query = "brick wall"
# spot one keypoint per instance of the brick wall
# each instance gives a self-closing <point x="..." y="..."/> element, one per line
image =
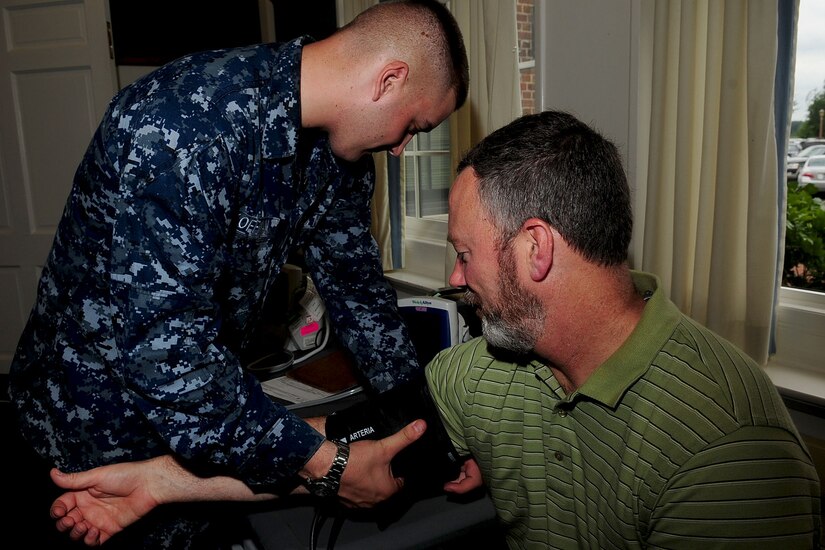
<point x="524" y="27"/>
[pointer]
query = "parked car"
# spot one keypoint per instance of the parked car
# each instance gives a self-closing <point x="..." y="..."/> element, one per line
<point x="796" y="162"/>
<point x="813" y="171"/>
<point x="808" y="142"/>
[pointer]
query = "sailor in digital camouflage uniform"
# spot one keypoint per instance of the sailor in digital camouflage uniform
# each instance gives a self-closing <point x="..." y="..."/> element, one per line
<point x="196" y="185"/>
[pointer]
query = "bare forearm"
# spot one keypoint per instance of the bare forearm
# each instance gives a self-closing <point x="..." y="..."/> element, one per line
<point x="171" y="482"/>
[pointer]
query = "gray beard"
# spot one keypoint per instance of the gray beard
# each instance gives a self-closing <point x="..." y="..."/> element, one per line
<point x="501" y="334"/>
<point x="514" y="324"/>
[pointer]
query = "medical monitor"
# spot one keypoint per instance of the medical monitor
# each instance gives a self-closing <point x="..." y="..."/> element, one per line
<point x="434" y="324"/>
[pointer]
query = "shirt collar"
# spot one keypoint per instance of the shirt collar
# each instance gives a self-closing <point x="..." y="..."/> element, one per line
<point x="614" y="377"/>
<point x="282" y="124"/>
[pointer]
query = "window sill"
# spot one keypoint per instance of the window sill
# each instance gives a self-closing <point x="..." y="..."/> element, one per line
<point x="798" y="365"/>
<point x="424" y="267"/>
<point x="800" y="338"/>
<point x="796" y="380"/>
<point x="411" y="284"/>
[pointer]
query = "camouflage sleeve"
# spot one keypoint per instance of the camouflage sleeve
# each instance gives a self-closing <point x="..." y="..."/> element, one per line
<point x="168" y="253"/>
<point x="345" y="266"/>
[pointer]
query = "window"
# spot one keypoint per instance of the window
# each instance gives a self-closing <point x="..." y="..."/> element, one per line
<point x="800" y="334"/>
<point x="428" y="174"/>
<point x="154" y="32"/>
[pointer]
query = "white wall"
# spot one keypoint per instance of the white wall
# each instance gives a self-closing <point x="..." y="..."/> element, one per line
<point x="595" y="45"/>
<point x="591" y="43"/>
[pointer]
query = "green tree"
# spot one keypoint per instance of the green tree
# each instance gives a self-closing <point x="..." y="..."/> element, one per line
<point x="810" y="126"/>
<point x="804" y="239"/>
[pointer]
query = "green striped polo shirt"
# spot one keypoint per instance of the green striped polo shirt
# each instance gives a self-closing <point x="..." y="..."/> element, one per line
<point x="678" y="440"/>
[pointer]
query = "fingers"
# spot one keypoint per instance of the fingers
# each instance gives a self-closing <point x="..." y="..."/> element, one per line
<point x="79" y="531"/>
<point x="70" y="520"/>
<point x="460" y="487"/>
<point x="64" y="524"/>
<point x="62" y="505"/>
<point x="79" y="480"/>
<point x="368" y="478"/>
<point x="58" y="509"/>
<point x="92" y="537"/>
<point x="404" y="437"/>
<point x="68" y="517"/>
<point x="90" y="534"/>
<point x="468" y="479"/>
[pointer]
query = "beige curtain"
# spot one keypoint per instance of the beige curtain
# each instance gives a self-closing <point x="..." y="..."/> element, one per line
<point x="706" y="190"/>
<point x="380" y="226"/>
<point x="489" y="29"/>
<point x="346" y="10"/>
<point x="494" y="99"/>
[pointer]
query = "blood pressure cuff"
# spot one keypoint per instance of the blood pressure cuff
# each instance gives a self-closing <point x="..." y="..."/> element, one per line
<point x="425" y="464"/>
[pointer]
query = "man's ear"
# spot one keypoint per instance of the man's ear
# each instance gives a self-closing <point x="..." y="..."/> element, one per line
<point x="540" y="240"/>
<point x="391" y="77"/>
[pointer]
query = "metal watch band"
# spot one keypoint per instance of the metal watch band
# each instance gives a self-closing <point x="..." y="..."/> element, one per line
<point x="328" y="485"/>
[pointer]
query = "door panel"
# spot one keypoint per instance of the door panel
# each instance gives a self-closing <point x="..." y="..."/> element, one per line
<point x="56" y="79"/>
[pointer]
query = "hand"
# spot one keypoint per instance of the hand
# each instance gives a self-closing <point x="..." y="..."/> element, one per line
<point x="105" y="500"/>
<point x="468" y="479"/>
<point x="101" y="501"/>
<point x="368" y="477"/>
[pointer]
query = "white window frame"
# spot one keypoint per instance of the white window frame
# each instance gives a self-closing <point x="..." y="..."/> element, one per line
<point x="413" y="152"/>
<point x="425" y="249"/>
<point x="799" y="362"/>
<point x="425" y="252"/>
<point x="425" y="241"/>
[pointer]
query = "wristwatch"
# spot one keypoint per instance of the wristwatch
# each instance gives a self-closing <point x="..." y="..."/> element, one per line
<point x="328" y="485"/>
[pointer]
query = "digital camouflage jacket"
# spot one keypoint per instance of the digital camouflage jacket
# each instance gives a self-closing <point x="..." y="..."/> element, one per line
<point x="196" y="185"/>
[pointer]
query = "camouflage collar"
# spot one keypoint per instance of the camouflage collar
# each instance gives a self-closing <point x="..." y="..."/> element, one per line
<point x="283" y="116"/>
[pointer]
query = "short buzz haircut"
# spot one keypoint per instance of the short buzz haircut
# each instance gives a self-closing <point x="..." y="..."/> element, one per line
<point x="426" y="26"/>
<point x="553" y="167"/>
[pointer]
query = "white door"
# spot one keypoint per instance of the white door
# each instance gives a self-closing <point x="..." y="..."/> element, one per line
<point x="57" y="76"/>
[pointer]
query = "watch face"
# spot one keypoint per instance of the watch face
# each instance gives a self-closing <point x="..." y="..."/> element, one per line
<point x="322" y="489"/>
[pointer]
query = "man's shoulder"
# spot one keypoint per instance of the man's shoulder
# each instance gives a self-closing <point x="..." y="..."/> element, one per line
<point x="224" y="96"/>
<point x="213" y="70"/>
<point x="473" y="361"/>
<point x="196" y="85"/>
<point x="464" y="355"/>
<point x="703" y="371"/>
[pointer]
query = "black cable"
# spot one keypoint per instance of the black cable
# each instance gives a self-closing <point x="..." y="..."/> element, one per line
<point x="323" y="512"/>
<point x="315" y="528"/>
<point x="335" y="530"/>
